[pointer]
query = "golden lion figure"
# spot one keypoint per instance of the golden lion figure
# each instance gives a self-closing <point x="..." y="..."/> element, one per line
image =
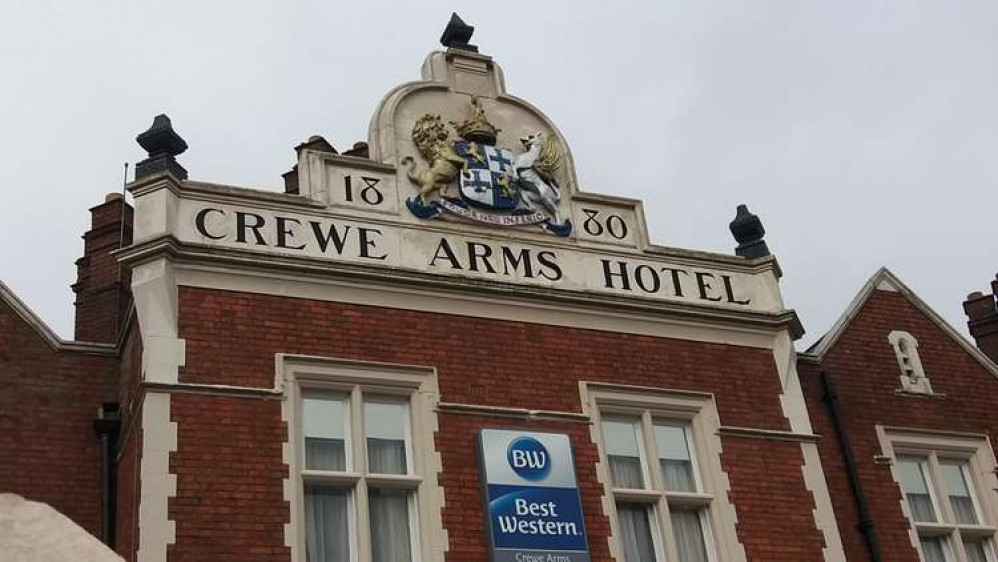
<point x="431" y="138"/>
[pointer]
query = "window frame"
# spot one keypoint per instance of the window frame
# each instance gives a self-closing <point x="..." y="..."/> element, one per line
<point x="697" y="414"/>
<point x="977" y="462"/>
<point x="416" y="388"/>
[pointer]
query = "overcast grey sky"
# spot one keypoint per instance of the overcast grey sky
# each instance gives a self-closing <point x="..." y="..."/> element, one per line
<point x="864" y="133"/>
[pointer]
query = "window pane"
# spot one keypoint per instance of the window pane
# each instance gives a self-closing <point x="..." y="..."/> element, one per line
<point x="977" y="550"/>
<point x="688" y="529"/>
<point x="326" y="524"/>
<point x="635" y="533"/>
<point x="324" y="426"/>
<point x="912" y="473"/>
<point x="933" y="549"/>
<point x="674" y="458"/>
<point x="390" y="540"/>
<point x="621" y="439"/>
<point x="959" y="492"/>
<point x="384" y="424"/>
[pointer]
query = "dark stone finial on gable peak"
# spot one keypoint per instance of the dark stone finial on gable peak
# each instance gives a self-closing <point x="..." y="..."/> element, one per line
<point x="748" y="232"/>
<point x="457" y="34"/>
<point x="162" y="144"/>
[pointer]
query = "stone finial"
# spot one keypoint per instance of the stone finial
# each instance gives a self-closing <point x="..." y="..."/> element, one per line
<point x="163" y="145"/>
<point x="457" y="34"/>
<point x="748" y="232"/>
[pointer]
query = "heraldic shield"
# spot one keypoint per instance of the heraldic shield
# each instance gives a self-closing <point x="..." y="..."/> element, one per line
<point x="487" y="182"/>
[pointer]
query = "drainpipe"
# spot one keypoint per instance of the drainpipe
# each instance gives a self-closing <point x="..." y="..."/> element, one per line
<point x="865" y="520"/>
<point x="107" y="426"/>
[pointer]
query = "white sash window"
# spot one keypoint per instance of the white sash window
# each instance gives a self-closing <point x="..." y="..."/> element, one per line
<point x="948" y="493"/>
<point x="661" y="468"/>
<point x="374" y="479"/>
<point x="363" y="463"/>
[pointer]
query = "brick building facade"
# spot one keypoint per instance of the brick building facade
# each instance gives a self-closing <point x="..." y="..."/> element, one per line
<point x="307" y="375"/>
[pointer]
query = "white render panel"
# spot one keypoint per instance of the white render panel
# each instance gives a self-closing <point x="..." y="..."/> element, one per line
<point x="824" y="515"/>
<point x="159" y="438"/>
<point x="155" y="292"/>
<point x="375" y="243"/>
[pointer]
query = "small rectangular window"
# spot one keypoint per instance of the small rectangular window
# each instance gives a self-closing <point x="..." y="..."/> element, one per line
<point x="674" y="458"/>
<point x="327" y="524"/>
<point x="390" y="533"/>
<point x="325" y="424"/>
<point x="687" y="526"/>
<point x="622" y="438"/>
<point x="960" y="496"/>
<point x="385" y="428"/>
<point x="912" y="471"/>
<point x="635" y="532"/>
<point x="933" y="549"/>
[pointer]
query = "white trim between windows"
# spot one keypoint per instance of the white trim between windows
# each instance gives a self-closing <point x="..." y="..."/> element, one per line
<point x="419" y="384"/>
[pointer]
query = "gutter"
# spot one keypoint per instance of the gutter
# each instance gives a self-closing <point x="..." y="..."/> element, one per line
<point x="107" y="425"/>
<point x="831" y="399"/>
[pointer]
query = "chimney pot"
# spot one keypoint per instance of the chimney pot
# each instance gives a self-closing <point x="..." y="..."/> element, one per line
<point x="982" y="320"/>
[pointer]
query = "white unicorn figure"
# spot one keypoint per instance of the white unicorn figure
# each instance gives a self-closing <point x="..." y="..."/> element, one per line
<point x="535" y="170"/>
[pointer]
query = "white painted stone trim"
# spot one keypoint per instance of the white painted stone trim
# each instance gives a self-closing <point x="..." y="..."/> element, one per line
<point x="154" y="288"/>
<point x="795" y="410"/>
<point x="824" y="514"/>
<point x="515" y="309"/>
<point x="294" y="370"/>
<point x="159" y="439"/>
<point x="920" y="382"/>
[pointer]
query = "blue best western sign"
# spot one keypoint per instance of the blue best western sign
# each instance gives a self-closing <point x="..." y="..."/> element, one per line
<point x="534" y="510"/>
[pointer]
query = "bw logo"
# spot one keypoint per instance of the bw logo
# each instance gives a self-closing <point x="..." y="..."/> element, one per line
<point x="529" y="459"/>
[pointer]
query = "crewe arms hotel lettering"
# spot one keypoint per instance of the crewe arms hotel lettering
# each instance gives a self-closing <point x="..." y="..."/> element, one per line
<point x="456" y="255"/>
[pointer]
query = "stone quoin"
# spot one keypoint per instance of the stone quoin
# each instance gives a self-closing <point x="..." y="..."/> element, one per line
<point x="437" y="346"/>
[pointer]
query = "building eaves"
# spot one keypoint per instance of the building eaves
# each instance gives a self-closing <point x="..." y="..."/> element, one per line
<point x="42" y="329"/>
<point x="885" y="280"/>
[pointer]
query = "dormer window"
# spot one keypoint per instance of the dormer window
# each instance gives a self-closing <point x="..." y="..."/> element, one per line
<point x="913" y="377"/>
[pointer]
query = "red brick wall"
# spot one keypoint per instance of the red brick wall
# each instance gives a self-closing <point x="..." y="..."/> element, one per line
<point x="863" y="365"/>
<point x="231" y="338"/>
<point x="129" y="446"/>
<point x="230" y="500"/>
<point x="48" y="405"/>
<point x="102" y="287"/>
<point x="775" y="518"/>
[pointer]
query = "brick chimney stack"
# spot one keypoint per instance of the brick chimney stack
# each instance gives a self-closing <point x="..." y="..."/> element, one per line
<point x="982" y="315"/>
<point x="102" y="292"/>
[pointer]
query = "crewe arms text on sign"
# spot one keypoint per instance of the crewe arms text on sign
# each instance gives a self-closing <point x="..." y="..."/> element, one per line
<point x="539" y="264"/>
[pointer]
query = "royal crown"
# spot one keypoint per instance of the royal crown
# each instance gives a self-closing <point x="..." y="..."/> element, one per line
<point x="478" y="128"/>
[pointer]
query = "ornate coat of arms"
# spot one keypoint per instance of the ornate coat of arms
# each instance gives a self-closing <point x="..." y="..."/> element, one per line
<point x="495" y="185"/>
